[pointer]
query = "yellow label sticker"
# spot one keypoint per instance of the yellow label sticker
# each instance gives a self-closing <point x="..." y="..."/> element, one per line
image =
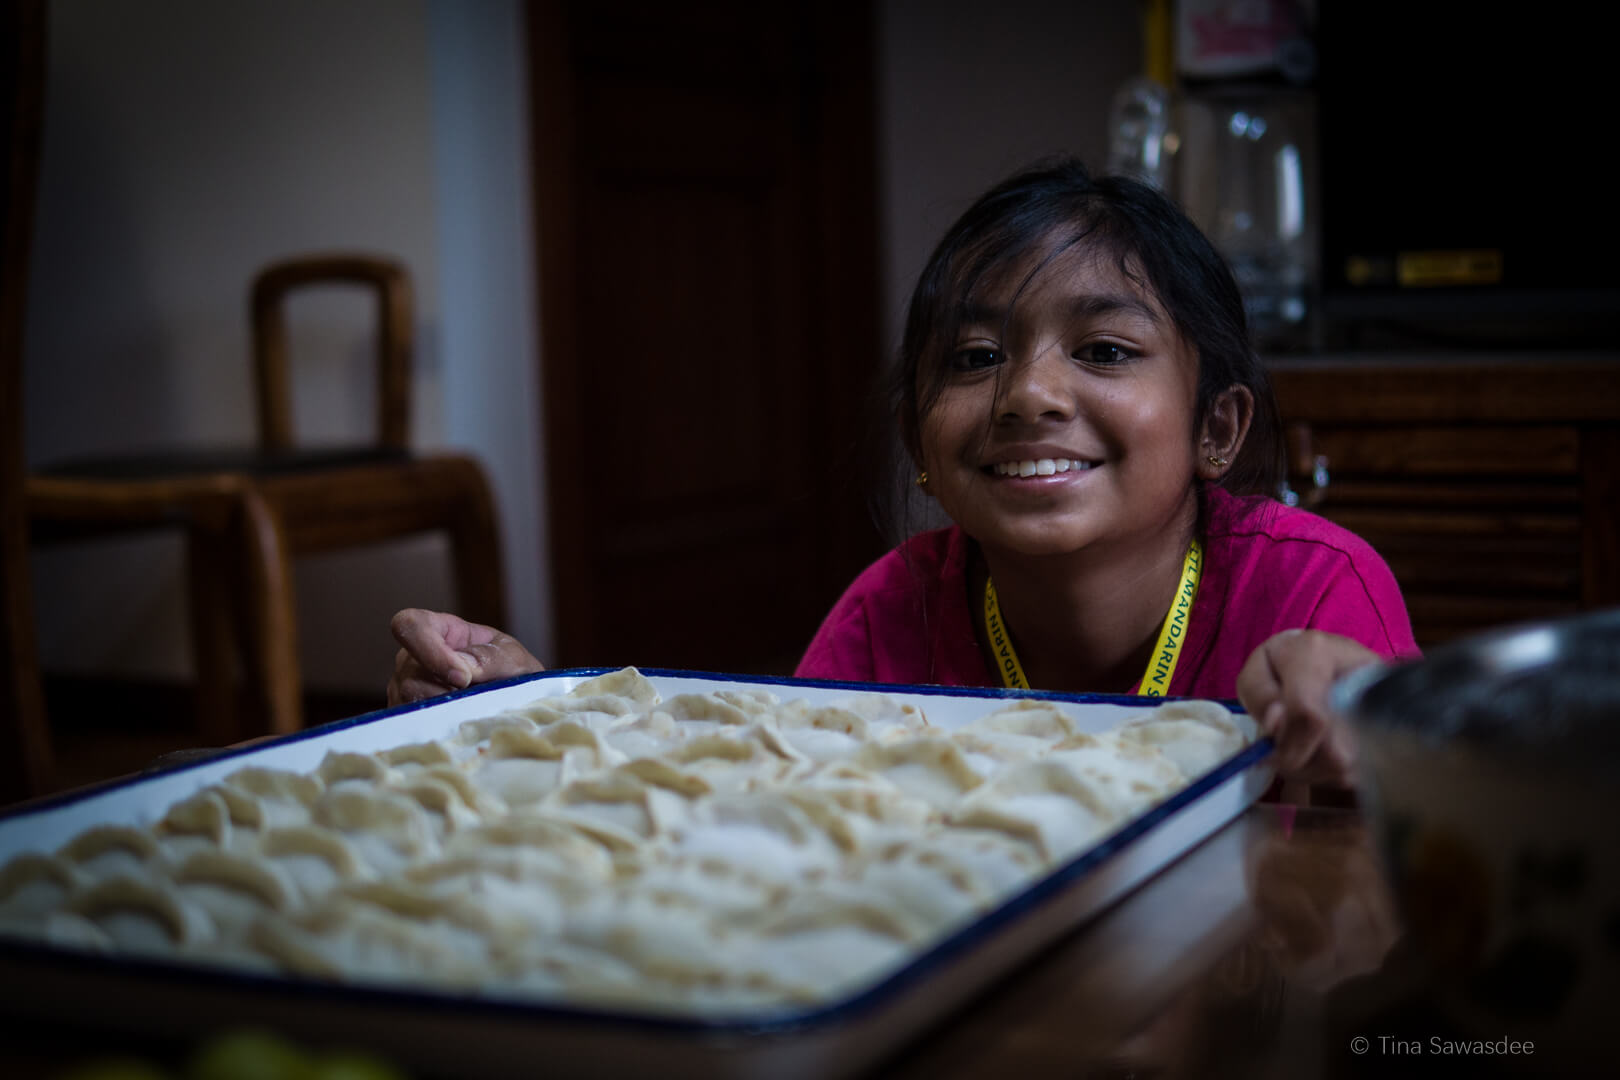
<point x="1424" y="269"/>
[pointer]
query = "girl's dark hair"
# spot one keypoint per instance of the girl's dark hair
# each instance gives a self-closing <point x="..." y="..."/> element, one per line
<point x="1154" y="244"/>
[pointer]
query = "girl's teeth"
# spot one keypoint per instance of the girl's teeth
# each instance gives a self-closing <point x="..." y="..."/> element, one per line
<point x="1042" y="467"/>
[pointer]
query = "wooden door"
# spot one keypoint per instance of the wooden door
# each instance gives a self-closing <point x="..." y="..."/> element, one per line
<point x="707" y="236"/>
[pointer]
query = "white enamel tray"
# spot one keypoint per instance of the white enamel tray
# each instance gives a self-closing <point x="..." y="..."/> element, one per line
<point x="455" y="1034"/>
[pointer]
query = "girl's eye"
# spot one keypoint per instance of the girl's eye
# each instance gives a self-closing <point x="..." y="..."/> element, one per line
<point x="1103" y="354"/>
<point x="975" y="358"/>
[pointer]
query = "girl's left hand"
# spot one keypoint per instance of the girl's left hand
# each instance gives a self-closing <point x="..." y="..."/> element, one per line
<point x="440" y="652"/>
<point x="1284" y="686"/>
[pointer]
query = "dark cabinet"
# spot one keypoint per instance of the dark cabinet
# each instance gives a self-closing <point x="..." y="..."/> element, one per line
<point x="1487" y="483"/>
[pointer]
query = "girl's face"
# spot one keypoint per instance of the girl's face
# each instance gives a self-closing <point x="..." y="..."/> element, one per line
<point x="1066" y="420"/>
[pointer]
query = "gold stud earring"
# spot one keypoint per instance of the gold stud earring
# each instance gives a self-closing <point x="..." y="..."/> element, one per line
<point x="1216" y="460"/>
<point x="922" y="479"/>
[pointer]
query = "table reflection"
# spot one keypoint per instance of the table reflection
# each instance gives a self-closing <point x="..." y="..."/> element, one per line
<point x="1264" y="953"/>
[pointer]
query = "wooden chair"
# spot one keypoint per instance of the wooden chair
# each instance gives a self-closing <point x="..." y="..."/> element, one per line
<point x="248" y="512"/>
<point x="237" y="544"/>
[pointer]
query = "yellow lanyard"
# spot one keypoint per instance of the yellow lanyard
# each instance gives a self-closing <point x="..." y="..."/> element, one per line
<point x="1155" y="681"/>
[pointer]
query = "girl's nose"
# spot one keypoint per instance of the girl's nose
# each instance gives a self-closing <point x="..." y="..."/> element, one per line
<point x="1035" y="388"/>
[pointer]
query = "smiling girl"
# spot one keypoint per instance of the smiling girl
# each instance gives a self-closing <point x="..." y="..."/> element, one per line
<point x="1077" y="389"/>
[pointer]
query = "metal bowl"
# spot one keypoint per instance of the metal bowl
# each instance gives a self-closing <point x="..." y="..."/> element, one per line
<point x="1490" y="773"/>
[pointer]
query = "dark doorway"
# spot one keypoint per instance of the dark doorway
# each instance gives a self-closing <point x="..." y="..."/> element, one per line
<point x="707" y="255"/>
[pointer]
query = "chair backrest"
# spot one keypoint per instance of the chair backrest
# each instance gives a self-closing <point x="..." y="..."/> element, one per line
<point x="392" y="284"/>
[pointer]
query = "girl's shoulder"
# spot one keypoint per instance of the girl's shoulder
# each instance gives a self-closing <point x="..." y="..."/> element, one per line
<point x="1273" y="567"/>
<point x="1260" y="520"/>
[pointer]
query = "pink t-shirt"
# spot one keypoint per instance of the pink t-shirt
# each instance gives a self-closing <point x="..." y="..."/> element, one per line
<point x="1267" y="568"/>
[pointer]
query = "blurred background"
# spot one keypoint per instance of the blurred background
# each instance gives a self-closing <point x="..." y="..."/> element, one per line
<point x="660" y="254"/>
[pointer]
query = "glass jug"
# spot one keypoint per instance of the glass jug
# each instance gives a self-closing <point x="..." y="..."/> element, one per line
<point x="1247" y="177"/>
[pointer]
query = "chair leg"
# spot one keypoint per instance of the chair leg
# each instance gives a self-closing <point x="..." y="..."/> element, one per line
<point x="213" y="637"/>
<point x="475" y="550"/>
<point x="271" y="637"/>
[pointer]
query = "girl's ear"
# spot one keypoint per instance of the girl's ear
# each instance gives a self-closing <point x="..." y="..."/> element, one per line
<point x="1225" y="426"/>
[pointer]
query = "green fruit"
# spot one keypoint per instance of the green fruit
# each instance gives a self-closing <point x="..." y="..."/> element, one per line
<point x="250" y="1055"/>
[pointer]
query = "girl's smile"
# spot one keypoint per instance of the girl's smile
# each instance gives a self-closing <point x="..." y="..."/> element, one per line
<point x="1043" y="467"/>
<point x="1038" y="463"/>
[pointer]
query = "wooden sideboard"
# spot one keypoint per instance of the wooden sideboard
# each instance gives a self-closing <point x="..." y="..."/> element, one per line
<point x="1490" y="483"/>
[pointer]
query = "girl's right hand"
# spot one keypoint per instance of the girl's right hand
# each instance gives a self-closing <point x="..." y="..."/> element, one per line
<point x="440" y="652"/>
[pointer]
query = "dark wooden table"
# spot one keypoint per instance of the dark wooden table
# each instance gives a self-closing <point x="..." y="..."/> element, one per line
<point x="1265" y="952"/>
<point x="1218" y="967"/>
